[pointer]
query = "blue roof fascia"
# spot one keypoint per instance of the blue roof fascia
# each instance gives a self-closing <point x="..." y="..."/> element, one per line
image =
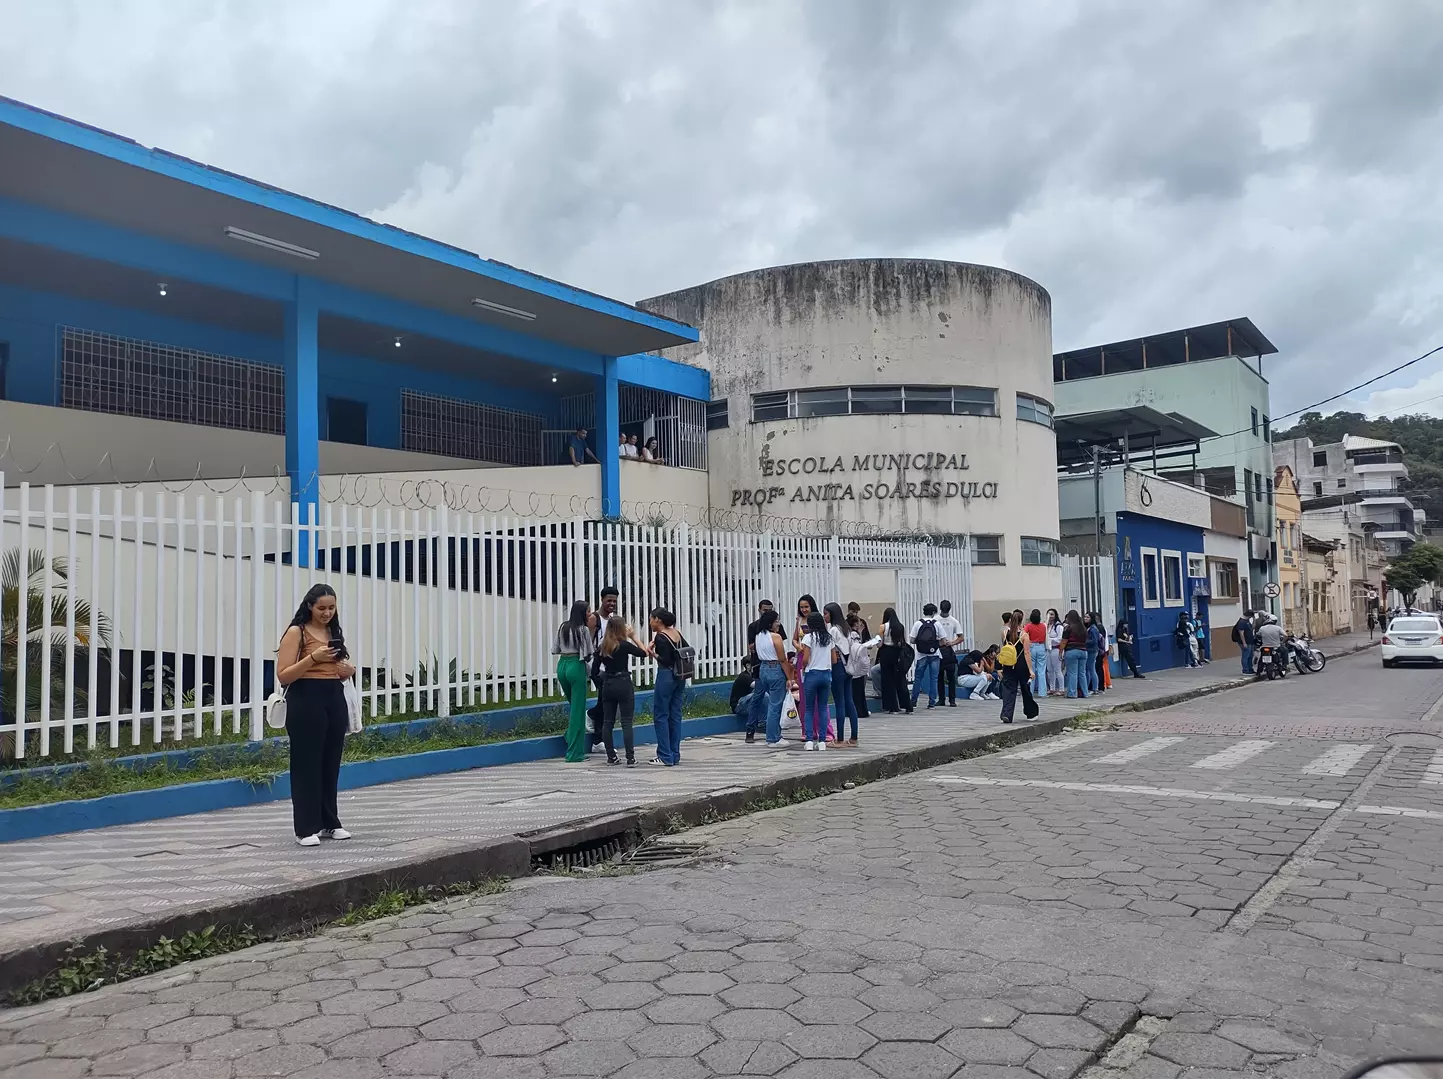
<point x="659" y="373"/>
<point x="167" y="259"/>
<point x="127" y="151"/>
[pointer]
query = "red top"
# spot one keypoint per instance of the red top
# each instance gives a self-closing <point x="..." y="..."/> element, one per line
<point x="1036" y="633"/>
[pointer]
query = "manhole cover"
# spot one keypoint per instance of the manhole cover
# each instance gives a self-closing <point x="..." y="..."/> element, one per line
<point x="1414" y="738"/>
<point x="659" y="852"/>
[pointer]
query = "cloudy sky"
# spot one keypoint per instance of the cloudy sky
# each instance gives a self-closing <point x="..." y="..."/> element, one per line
<point x="1153" y="164"/>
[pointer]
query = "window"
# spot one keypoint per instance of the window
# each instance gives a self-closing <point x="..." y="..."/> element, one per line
<point x="104" y="373"/>
<point x="877" y="399"/>
<point x="1342" y="481"/>
<point x="471" y="430"/>
<point x="926" y="399"/>
<point x="883" y="400"/>
<point x="1038" y="552"/>
<point x="986" y="550"/>
<point x="1258" y="487"/>
<point x="973" y="401"/>
<point x="1225" y="579"/>
<point x="1320" y="459"/>
<point x="833" y="401"/>
<point x="1196" y="565"/>
<point x="1255" y="421"/>
<point x="1172" y="578"/>
<point x="1267" y="430"/>
<point x="346" y="421"/>
<point x="1150" y="594"/>
<point x="716" y="415"/>
<point x="769" y="406"/>
<point x="1317" y="487"/>
<point x="1034" y="409"/>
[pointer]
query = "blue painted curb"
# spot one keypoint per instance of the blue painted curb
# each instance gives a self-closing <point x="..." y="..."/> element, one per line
<point x="50" y="819"/>
<point x="493" y="720"/>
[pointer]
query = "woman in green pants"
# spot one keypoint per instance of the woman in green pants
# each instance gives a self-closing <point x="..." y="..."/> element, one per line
<point x="573" y="647"/>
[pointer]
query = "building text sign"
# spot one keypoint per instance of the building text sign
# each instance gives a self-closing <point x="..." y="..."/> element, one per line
<point x="859" y="478"/>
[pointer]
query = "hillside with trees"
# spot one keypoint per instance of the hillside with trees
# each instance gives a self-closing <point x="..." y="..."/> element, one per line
<point x="1421" y="438"/>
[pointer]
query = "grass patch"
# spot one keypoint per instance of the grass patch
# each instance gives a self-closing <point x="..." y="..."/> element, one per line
<point x="99" y="775"/>
<point x="82" y="971"/>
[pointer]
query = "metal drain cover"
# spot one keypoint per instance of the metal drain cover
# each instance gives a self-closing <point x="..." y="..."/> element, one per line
<point x="660" y="852"/>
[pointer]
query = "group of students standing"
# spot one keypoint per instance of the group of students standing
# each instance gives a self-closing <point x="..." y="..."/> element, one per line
<point x="595" y="648"/>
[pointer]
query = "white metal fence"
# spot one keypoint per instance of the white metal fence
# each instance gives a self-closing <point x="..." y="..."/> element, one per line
<point x="142" y="619"/>
<point x="1089" y="585"/>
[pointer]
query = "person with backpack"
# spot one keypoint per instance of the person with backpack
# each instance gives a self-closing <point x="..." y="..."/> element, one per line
<point x="1094" y="651"/>
<point x="1012" y="659"/>
<point x="927" y="641"/>
<point x="859" y="661"/>
<point x="895" y="659"/>
<point x="950" y="631"/>
<point x="676" y="663"/>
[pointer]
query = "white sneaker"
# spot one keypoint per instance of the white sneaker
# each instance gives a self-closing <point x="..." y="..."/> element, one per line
<point x="810" y="745"/>
<point x="335" y="834"/>
<point x="780" y="744"/>
<point x="822" y="745"/>
<point x="314" y="840"/>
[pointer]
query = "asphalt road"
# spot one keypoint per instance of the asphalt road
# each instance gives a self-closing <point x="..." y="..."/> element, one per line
<point x="1250" y="884"/>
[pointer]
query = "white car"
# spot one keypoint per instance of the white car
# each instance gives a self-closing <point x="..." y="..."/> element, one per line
<point x="1413" y="637"/>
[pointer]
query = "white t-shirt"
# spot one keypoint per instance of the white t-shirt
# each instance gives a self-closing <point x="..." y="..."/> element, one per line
<point x="629" y="450"/>
<point x="841" y="641"/>
<point x="819" y="658"/>
<point x="948" y="629"/>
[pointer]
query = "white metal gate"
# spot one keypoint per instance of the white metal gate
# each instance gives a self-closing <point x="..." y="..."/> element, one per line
<point x="1088" y="584"/>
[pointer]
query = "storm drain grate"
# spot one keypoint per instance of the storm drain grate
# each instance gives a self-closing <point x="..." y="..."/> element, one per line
<point x="582" y="856"/>
<point x="659" y="852"/>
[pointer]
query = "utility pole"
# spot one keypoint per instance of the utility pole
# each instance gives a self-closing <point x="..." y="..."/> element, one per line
<point x="1097" y="497"/>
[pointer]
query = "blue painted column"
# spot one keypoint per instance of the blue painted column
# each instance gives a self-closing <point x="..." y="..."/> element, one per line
<point x="608" y="432"/>
<point x="303" y="410"/>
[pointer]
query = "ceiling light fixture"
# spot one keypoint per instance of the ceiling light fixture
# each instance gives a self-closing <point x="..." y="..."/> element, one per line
<point x="502" y="309"/>
<point x="163" y="287"/>
<point x="271" y="243"/>
<point x="398" y="341"/>
<point x="553" y="378"/>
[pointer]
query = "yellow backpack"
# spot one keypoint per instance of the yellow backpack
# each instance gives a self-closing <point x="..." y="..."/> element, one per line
<point x="1007" y="655"/>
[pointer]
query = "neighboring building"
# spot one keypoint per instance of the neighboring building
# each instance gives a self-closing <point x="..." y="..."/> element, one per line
<point x="1325" y="590"/>
<point x="1357" y="562"/>
<point x="1364" y="473"/>
<point x="1177" y="547"/>
<point x="1288" y="510"/>
<point x="886" y="396"/>
<point x="1212" y="375"/>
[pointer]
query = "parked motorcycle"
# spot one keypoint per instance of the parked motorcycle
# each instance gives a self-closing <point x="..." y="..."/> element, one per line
<point x="1271" y="663"/>
<point x="1305" y="656"/>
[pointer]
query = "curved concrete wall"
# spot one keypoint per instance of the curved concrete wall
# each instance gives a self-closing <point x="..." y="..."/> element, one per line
<point x="885" y="322"/>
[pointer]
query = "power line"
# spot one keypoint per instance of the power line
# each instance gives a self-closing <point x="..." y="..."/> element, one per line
<point x="1335" y="397"/>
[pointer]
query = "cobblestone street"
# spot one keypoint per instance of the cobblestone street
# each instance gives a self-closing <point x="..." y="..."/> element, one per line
<point x="1268" y="905"/>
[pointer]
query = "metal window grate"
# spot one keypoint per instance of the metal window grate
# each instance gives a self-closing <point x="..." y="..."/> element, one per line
<point x="470" y="430"/>
<point x="100" y="372"/>
<point x="679" y="423"/>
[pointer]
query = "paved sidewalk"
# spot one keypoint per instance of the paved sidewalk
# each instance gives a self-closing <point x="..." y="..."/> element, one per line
<point x="58" y="888"/>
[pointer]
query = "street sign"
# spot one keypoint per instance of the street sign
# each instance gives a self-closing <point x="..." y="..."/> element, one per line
<point x="1272" y="589"/>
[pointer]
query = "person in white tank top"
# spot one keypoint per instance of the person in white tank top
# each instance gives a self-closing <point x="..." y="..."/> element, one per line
<point x="774" y="673"/>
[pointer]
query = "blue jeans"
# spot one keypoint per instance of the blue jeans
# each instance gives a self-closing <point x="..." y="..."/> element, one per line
<point x="769" y="692"/>
<point x="1038" y="653"/>
<point x="744" y="705"/>
<point x="924" y="679"/>
<point x="843" y="699"/>
<point x="666" y="702"/>
<point x="816" y="689"/>
<point x="1247" y="659"/>
<point x="1093" y="686"/>
<point x="1074" y="661"/>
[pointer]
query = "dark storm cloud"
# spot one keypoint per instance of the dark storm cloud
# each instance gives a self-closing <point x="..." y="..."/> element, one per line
<point x="1152" y="165"/>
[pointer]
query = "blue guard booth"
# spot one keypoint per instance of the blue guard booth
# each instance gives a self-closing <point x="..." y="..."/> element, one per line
<point x="312" y="322"/>
<point x="1153" y="584"/>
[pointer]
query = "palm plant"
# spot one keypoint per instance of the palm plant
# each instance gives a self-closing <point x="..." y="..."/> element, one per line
<point x="44" y="630"/>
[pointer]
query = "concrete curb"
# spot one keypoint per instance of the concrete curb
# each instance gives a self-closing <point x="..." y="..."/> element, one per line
<point x="291" y="911"/>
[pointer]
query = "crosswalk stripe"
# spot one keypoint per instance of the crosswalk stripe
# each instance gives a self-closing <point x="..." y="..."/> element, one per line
<point x="1052" y="746"/>
<point x="1233" y="755"/>
<point x="1433" y="774"/>
<point x="1142" y="749"/>
<point x="1337" y="761"/>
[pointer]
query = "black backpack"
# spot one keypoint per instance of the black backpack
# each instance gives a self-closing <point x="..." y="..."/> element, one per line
<point x="927" y="637"/>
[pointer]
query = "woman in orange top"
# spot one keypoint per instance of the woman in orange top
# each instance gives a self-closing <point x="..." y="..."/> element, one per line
<point x="316" y="717"/>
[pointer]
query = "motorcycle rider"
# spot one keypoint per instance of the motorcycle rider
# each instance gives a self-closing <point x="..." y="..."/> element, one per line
<point x="1270" y="635"/>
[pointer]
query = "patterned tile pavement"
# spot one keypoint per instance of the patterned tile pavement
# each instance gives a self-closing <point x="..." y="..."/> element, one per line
<point x="58" y="887"/>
